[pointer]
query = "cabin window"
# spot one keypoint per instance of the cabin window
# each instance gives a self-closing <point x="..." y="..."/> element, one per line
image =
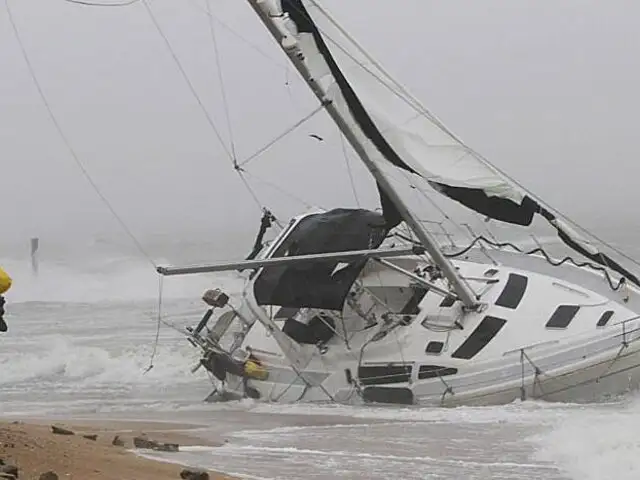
<point x="434" y="347"/>
<point x="434" y="371"/>
<point x="320" y="329"/>
<point x="448" y="301"/>
<point x="491" y="272"/>
<point x="562" y="317"/>
<point x="402" y="300"/>
<point x="411" y="308"/>
<point x="481" y="336"/>
<point x="604" y="319"/>
<point x="286" y="312"/>
<point x="381" y="374"/>
<point x="513" y="291"/>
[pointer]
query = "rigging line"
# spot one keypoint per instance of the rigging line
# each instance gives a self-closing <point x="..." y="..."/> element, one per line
<point x="400" y="349"/>
<point x="187" y="80"/>
<point x="282" y="135"/>
<point x="439" y="208"/>
<point x="251" y="192"/>
<point x="66" y="140"/>
<point x="227" y="113"/>
<point x="223" y="91"/>
<point x="405" y="178"/>
<point x="287" y="84"/>
<point x="177" y="329"/>
<point x="255" y="198"/>
<point x="349" y="172"/>
<point x="421" y="195"/>
<point x="99" y="4"/>
<point x="159" y="322"/>
<point x="281" y="190"/>
<point x="547" y="257"/>
<point x="239" y="36"/>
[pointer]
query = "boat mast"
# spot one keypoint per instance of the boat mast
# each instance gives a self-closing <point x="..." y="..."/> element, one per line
<point x="273" y="19"/>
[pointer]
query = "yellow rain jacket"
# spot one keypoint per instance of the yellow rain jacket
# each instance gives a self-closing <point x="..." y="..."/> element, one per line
<point x="5" y="281"/>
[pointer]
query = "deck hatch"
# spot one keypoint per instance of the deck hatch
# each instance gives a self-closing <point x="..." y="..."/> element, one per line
<point x="434" y="347"/>
<point x="481" y="336"/>
<point x="563" y="316"/>
<point x="448" y="301"/>
<point x="411" y="308"/>
<point x="604" y="319"/>
<point x="513" y="291"/>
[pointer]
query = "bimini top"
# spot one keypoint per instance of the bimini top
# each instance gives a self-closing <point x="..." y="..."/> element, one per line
<point x="321" y="284"/>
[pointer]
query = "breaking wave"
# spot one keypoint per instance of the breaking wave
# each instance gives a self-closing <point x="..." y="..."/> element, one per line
<point x="62" y="375"/>
<point x="63" y="361"/>
<point x="596" y="442"/>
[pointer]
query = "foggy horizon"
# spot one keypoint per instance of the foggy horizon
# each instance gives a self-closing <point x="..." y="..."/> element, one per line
<point x="545" y="91"/>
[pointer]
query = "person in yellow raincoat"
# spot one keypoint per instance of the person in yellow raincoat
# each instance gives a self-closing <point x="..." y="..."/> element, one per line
<point x="5" y="284"/>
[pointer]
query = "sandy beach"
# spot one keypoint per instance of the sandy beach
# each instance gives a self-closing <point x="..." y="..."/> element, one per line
<point x="32" y="446"/>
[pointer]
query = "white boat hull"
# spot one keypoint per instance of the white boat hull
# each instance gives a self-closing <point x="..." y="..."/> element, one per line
<point x="613" y="376"/>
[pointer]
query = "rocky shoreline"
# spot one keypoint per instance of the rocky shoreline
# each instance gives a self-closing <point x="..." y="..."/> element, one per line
<point x="100" y="450"/>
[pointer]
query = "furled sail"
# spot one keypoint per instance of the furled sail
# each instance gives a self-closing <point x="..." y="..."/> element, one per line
<point x="394" y="129"/>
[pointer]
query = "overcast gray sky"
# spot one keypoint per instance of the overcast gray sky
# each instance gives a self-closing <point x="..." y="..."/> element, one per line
<point x="546" y="89"/>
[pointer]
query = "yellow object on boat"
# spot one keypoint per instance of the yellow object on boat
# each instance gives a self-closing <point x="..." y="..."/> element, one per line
<point x="253" y="370"/>
<point x="5" y="281"/>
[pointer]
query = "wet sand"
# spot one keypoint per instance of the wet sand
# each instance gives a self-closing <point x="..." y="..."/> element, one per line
<point x="35" y="449"/>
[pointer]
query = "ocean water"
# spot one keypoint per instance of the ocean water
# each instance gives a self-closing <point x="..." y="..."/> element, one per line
<point x="81" y="340"/>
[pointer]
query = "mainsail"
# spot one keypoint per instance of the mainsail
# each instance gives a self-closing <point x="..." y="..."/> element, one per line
<point x="395" y="129"/>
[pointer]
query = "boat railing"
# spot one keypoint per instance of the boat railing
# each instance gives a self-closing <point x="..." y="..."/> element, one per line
<point x="533" y="368"/>
<point x="626" y="331"/>
<point x="482" y="238"/>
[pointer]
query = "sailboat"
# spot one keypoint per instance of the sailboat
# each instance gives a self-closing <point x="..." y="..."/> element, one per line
<point x="343" y="307"/>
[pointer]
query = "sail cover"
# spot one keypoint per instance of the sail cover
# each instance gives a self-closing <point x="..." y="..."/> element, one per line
<point x="320" y="284"/>
<point x="394" y="129"/>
